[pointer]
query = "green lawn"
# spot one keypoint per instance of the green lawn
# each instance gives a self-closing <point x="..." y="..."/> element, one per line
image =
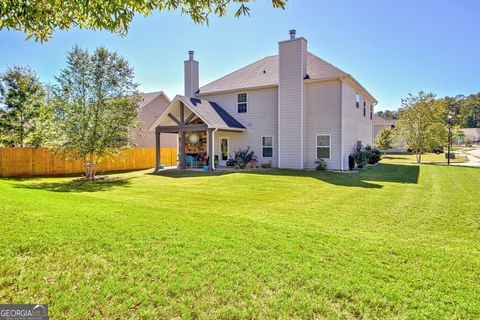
<point x="394" y="241"/>
<point x="426" y="158"/>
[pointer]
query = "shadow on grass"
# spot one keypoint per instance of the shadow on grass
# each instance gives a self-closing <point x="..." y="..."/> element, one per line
<point x="77" y="186"/>
<point x="381" y="173"/>
<point x="394" y="158"/>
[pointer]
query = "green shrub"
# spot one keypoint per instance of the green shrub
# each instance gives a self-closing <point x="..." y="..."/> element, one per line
<point x="243" y="157"/>
<point x="351" y="162"/>
<point x="374" y="155"/>
<point x="361" y="156"/>
<point x="321" y="165"/>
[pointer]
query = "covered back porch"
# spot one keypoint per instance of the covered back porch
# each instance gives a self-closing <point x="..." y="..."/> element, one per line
<point x="196" y="122"/>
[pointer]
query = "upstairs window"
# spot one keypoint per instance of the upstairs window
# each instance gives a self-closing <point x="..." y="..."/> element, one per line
<point x="357" y="100"/>
<point x="323" y="146"/>
<point x="242" y="102"/>
<point x="371" y="112"/>
<point x="364" y="108"/>
<point x="267" y="147"/>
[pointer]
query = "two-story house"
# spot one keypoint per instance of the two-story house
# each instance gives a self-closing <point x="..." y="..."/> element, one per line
<point x="290" y="109"/>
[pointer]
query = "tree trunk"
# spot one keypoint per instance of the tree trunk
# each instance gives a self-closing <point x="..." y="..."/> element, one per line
<point x="21" y="137"/>
<point x="89" y="167"/>
<point x="87" y="170"/>
<point x="21" y="130"/>
<point x="95" y="166"/>
<point x="92" y="172"/>
<point x="418" y="155"/>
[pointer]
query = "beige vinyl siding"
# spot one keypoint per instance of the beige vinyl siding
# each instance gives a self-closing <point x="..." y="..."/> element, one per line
<point x="147" y="115"/>
<point x="261" y="119"/>
<point x="292" y="70"/>
<point x="191" y="77"/>
<point x="356" y="127"/>
<point x="322" y="117"/>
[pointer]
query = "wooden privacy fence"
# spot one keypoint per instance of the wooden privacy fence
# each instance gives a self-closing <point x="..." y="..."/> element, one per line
<point x="15" y="162"/>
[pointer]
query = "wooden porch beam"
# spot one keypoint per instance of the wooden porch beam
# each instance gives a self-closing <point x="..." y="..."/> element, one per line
<point x="182" y="137"/>
<point x="174" y="119"/>
<point x="190" y="118"/>
<point x="157" y="152"/>
<point x="178" y="129"/>
<point x="182" y="113"/>
<point x="211" y="156"/>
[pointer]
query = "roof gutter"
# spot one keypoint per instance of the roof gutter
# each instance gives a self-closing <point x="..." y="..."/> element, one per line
<point x="375" y="102"/>
<point x="201" y="94"/>
<point x="349" y="76"/>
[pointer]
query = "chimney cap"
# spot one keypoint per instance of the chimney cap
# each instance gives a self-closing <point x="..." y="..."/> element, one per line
<point x="190" y="54"/>
<point x="292" y="33"/>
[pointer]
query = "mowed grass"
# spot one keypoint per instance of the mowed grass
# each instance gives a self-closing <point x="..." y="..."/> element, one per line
<point x="395" y="241"/>
<point x="426" y="158"/>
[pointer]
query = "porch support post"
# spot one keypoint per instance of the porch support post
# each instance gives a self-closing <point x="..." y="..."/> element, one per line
<point x="157" y="150"/>
<point x="182" y="137"/>
<point x="211" y="156"/>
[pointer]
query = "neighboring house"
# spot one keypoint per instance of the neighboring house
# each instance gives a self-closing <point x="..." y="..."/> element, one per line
<point x="380" y="123"/>
<point x="152" y="105"/>
<point x="471" y="134"/>
<point x="290" y="109"/>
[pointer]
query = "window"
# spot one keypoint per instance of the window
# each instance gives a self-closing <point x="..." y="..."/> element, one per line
<point x="371" y="112"/>
<point x="364" y="108"/>
<point x="242" y="102"/>
<point x="267" y="147"/>
<point x="323" y="146"/>
<point x="357" y="100"/>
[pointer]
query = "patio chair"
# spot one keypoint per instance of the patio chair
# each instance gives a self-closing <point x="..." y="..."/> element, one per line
<point x="191" y="162"/>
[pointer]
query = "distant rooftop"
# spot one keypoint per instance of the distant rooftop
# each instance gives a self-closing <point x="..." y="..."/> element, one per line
<point x="149" y="96"/>
<point x="381" y="121"/>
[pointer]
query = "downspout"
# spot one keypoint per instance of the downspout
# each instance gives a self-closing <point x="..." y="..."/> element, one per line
<point x="342" y="160"/>
<point x="373" y="127"/>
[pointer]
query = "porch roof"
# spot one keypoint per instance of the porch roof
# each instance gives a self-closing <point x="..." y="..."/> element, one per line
<point x="210" y="113"/>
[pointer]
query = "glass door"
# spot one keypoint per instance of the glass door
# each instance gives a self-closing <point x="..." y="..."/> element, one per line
<point x="223" y="151"/>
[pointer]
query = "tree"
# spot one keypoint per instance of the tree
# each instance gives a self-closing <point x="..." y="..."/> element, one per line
<point x="40" y="18"/>
<point x="96" y="106"/>
<point x="384" y="139"/>
<point x="465" y="109"/>
<point x="24" y="98"/>
<point x="45" y="128"/>
<point x="470" y="111"/>
<point x="421" y="124"/>
<point x="3" y="136"/>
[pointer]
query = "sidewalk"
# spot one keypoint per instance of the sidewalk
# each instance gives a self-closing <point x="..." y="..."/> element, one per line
<point x="473" y="158"/>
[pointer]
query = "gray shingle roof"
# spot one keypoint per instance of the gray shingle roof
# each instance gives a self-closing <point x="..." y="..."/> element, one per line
<point x="212" y="114"/>
<point x="148" y="97"/>
<point x="264" y="72"/>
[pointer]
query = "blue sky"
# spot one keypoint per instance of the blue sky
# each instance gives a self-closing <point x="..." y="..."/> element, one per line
<point x="391" y="47"/>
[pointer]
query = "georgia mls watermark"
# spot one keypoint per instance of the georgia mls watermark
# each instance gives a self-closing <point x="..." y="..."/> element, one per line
<point x="23" y="312"/>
